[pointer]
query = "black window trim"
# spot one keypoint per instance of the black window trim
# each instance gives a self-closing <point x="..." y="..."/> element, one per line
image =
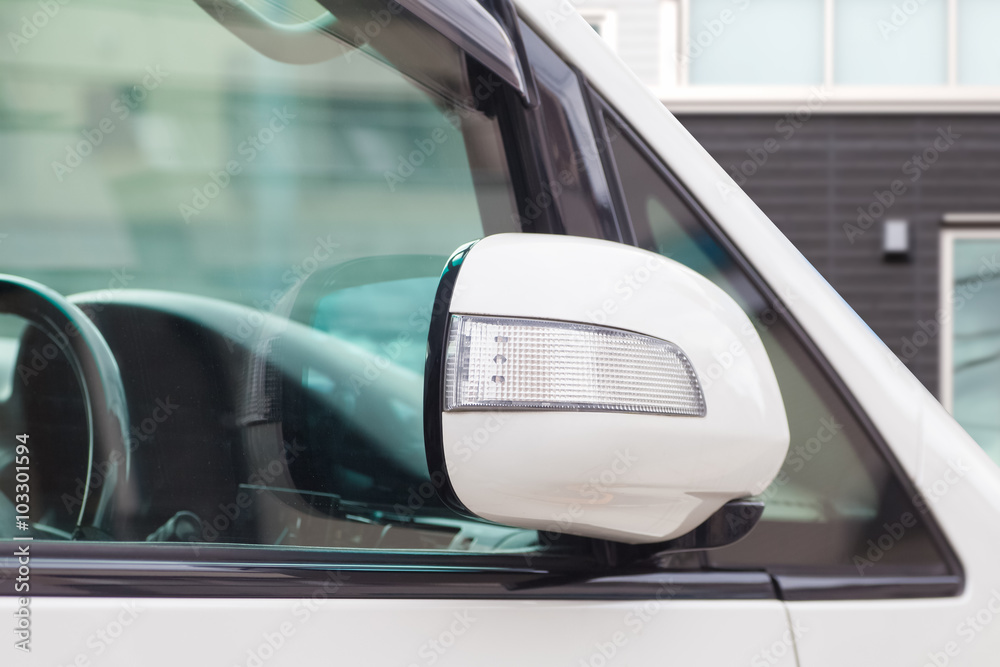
<point x="102" y="569"/>
<point x="484" y="32"/>
<point x="803" y="583"/>
<point x="594" y="185"/>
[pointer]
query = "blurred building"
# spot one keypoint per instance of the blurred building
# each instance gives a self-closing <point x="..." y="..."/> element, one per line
<point x="869" y="131"/>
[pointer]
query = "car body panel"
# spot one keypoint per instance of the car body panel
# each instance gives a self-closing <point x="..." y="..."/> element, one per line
<point x="251" y="633"/>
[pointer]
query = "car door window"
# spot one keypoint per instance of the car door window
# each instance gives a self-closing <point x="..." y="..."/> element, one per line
<point x="257" y="229"/>
<point x="835" y="496"/>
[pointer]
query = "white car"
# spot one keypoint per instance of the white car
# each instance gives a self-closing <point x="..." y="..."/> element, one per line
<point x="420" y="333"/>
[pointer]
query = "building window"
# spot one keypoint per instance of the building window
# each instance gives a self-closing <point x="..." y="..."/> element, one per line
<point x="765" y="42"/>
<point x="604" y="22"/>
<point x="887" y="42"/>
<point x="978" y="46"/>
<point x="908" y="45"/>
<point x="970" y="328"/>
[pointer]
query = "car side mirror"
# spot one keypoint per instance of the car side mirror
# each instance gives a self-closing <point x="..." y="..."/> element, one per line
<point x="573" y="385"/>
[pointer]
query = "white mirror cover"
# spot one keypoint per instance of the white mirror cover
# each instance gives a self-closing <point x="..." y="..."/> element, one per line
<point x="623" y="476"/>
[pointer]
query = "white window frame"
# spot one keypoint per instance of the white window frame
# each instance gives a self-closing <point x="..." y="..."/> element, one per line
<point x="607" y="20"/>
<point x="948" y="98"/>
<point x="983" y="226"/>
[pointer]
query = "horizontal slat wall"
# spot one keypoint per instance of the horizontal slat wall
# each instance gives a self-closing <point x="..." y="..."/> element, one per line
<point x="817" y="175"/>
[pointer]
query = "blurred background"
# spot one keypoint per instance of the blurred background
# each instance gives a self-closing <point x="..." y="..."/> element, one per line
<point x="869" y="132"/>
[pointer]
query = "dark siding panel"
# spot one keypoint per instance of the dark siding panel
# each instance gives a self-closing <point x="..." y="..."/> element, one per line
<point x="814" y="183"/>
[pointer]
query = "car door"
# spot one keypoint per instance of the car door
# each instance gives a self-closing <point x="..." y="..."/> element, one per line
<point x="253" y="202"/>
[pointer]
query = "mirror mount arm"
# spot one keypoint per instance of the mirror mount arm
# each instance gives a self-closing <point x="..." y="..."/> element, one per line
<point x="730" y="524"/>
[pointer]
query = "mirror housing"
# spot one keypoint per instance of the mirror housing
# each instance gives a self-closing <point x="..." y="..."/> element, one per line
<point x="590" y="388"/>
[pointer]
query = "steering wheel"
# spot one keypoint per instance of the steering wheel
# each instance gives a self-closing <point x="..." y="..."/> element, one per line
<point x="96" y="371"/>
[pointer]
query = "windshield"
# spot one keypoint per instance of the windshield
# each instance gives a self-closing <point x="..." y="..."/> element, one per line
<point x="254" y="214"/>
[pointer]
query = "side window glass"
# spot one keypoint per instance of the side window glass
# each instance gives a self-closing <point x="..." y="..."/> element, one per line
<point x="259" y="243"/>
<point x="835" y="492"/>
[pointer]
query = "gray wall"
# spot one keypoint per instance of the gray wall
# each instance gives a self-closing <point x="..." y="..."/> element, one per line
<point x="815" y="177"/>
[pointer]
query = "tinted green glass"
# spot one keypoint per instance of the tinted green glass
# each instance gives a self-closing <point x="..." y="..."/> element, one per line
<point x="260" y="242"/>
